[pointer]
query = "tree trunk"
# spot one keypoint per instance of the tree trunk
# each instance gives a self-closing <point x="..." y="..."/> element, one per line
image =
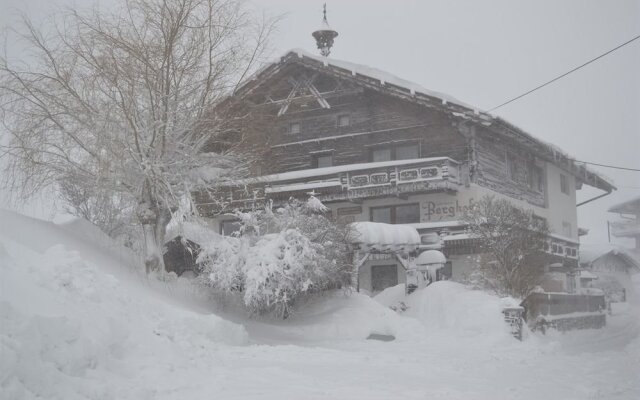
<point x="154" y="220"/>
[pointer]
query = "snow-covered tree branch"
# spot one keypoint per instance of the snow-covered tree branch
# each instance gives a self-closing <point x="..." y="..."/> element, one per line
<point x="511" y="241"/>
<point x="124" y="109"/>
<point x="280" y="256"/>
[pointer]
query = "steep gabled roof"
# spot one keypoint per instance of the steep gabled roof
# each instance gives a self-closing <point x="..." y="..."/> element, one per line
<point x="589" y="254"/>
<point x="630" y="206"/>
<point x="389" y="84"/>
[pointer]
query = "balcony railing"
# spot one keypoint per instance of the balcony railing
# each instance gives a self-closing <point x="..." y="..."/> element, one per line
<point x="350" y="182"/>
<point x="625" y="228"/>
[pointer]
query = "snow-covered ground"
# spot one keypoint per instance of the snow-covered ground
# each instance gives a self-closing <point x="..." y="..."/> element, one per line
<point x="78" y="320"/>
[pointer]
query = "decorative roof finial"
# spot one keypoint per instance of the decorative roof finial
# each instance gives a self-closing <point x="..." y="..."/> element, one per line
<point x="325" y="35"/>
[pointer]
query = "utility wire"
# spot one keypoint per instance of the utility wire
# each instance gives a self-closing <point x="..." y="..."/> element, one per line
<point x="565" y="74"/>
<point x="607" y="166"/>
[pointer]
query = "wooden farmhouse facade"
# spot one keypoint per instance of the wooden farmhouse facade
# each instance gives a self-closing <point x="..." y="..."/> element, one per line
<point x="373" y="147"/>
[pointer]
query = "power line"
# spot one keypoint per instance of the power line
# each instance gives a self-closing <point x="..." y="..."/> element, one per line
<point x="607" y="166"/>
<point x="565" y="74"/>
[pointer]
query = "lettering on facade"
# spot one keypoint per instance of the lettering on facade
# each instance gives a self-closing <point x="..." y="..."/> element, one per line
<point x="440" y="211"/>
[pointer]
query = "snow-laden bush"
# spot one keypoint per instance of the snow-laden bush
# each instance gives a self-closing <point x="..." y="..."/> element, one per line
<point x="279" y="256"/>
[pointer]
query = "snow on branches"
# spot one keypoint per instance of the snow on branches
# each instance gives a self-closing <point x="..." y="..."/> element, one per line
<point x="511" y="241"/>
<point x="279" y="256"/>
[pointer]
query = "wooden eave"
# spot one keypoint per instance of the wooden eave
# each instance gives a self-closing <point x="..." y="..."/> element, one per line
<point x="552" y="154"/>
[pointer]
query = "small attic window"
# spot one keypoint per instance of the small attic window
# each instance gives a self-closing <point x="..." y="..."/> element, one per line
<point x="344" y="120"/>
<point x="294" y="127"/>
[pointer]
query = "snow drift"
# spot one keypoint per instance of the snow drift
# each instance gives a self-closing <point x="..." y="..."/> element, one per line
<point x="76" y="323"/>
<point x="66" y="324"/>
<point x="456" y="309"/>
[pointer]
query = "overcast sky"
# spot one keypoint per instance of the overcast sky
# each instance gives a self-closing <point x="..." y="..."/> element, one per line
<point x="484" y="53"/>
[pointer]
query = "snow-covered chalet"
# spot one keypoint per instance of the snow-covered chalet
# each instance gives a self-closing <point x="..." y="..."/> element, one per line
<point x="373" y="147"/>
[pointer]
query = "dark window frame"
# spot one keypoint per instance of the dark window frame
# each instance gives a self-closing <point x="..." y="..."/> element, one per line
<point x="290" y="128"/>
<point x="381" y="267"/>
<point x="315" y="157"/>
<point x="512" y="167"/>
<point x="393" y="213"/>
<point x="564" y="184"/>
<point x="339" y="118"/>
<point x="393" y="150"/>
<point x="535" y="178"/>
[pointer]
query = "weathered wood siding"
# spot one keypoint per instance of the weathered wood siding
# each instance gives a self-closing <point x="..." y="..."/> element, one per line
<point x="375" y="120"/>
<point x="493" y="170"/>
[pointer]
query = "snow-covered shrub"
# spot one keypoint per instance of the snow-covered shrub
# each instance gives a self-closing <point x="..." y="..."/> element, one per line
<point x="279" y="256"/>
<point x="223" y="264"/>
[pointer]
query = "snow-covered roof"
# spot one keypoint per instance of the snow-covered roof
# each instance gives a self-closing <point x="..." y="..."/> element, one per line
<point x="630" y="206"/>
<point x="385" y="81"/>
<point x="385" y="237"/>
<point x="431" y="257"/>
<point x="382" y="76"/>
<point x="191" y="230"/>
<point x="587" y="275"/>
<point x="590" y="253"/>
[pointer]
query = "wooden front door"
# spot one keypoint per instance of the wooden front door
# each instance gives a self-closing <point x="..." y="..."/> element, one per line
<point x="383" y="276"/>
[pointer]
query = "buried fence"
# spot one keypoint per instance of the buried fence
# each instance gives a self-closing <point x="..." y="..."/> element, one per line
<point x="564" y="311"/>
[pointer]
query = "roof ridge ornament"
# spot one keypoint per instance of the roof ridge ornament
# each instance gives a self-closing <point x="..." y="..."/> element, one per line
<point x="325" y="35"/>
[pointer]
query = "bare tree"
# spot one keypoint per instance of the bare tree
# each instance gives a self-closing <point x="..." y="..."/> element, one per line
<point x="130" y="105"/>
<point x="511" y="241"/>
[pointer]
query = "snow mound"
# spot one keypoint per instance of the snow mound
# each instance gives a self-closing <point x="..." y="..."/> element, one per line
<point x="69" y="329"/>
<point x="392" y="296"/>
<point x="337" y="316"/>
<point x="457" y="310"/>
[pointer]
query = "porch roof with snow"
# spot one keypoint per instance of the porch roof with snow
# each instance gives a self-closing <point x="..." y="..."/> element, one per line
<point x="389" y="84"/>
<point x="384" y="237"/>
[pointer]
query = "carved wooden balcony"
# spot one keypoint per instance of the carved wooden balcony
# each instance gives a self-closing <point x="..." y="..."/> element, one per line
<point x="352" y="182"/>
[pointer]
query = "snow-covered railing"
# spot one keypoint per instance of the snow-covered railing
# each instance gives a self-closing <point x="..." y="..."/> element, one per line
<point x="564" y="311"/>
<point x="413" y="171"/>
<point x="343" y="182"/>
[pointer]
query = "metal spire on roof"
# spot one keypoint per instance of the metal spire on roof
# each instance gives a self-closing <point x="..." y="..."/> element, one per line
<point x="325" y="35"/>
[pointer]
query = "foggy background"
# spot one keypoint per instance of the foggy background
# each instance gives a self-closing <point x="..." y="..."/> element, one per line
<point x="482" y="53"/>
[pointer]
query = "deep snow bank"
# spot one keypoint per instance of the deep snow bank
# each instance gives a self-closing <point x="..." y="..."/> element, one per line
<point x="68" y="328"/>
<point x="454" y="308"/>
<point x="451" y="308"/>
<point x="337" y="316"/>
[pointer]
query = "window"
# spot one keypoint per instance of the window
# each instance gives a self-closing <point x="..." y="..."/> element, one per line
<point x="534" y="178"/>
<point x="230" y="228"/>
<point x="294" y="127"/>
<point x="566" y="229"/>
<point x="322" y="160"/>
<point x="383" y="276"/>
<point x="399" y="214"/>
<point x="405" y="151"/>
<point x="344" y="120"/>
<point x="381" y="214"/>
<point x="381" y="154"/>
<point x="407" y="214"/>
<point x="564" y="184"/>
<point x="512" y="167"/>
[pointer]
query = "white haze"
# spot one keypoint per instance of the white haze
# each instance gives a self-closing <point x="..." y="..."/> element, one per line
<point x="485" y="53"/>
